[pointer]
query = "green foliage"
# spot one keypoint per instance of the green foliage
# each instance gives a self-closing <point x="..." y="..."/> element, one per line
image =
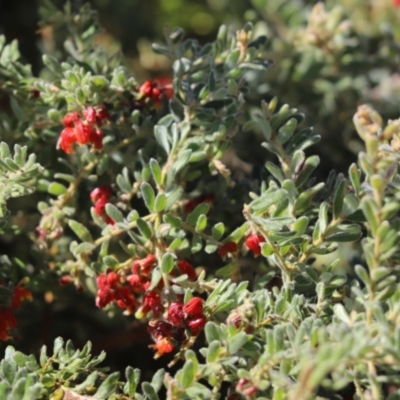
<point x="18" y="173"/>
<point x="305" y="326"/>
<point x="66" y="372"/>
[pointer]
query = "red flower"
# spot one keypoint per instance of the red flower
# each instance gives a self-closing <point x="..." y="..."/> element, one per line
<point x="194" y="307"/>
<point x="157" y="89"/>
<point x="228" y="247"/>
<point x="109" y="220"/>
<point x="175" y="313"/>
<point x="97" y="139"/>
<point x="100" y="206"/>
<point x="197" y="324"/>
<point x="102" y="114"/>
<point x="90" y="115"/>
<point x="166" y="86"/>
<point x="102" y="281"/>
<point x="7" y="318"/>
<point x="136" y="282"/>
<point x="152" y="302"/>
<point x="65" y="280"/>
<point x="136" y="267"/>
<point x="186" y="268"/>
<point x="145" y="265"/>
<point x="84" y="133"/>
<point x="107" y="284"/>
<point x="104" y="191"/>
<point x="162" y="346"/>
<point x="67" y="140"/>
<point x="20" y="294"/>
<point x="103" y="299"/>
<point x="148" y="261"/>
<point x="100" y="197"/>
<point x="179" y="334"/>
<point x="112" y="279"/>
<point x="110" y="288"/>
<point x="253" y="242"/>
<point x="396" y="3"/>
<point x="125" y="299"/>
<point x="7" y="322"/>
<point x="159" y="329"/>
<point x="70" y="119"/>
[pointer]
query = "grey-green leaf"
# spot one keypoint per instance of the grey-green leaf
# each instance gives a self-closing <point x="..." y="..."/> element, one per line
<point x="113" y="212"/>
<point x="268" y="199"/>
<point x="188" y="373"/>
<point x="167" y="263"/>
<point x="108" y="387"/>
<point x="81" y="231"/>
<point x="148" y="195"/>
<point x="132" y="381"/>
<point x="156" y="171"/>
<point x="56" y="189"/>
<point x="339" y="198"/>
<point x="236" y="342"/>
<point x="144" y="228"/>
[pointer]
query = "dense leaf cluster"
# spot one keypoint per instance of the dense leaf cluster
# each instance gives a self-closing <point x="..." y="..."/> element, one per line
<point x="300" y="325"/>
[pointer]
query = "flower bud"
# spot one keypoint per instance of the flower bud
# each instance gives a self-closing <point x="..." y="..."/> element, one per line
<point x="67" y="140"/>
<point x="162" y="346"/>
<point x="197" y="324"/>
<point x="175" y="313"/>
<point x="90" y="115"/>
<point x="194" y="307"/>
<point x="253" y="242"/>
<point x="229" y="247"/>
<point x="367" y="122"/>
<point x="70" y="119"/>
<point x="186" y="268"/>
<point x="65" y="280"/>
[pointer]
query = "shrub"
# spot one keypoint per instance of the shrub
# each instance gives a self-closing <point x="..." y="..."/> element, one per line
<point x="142" y="208"/>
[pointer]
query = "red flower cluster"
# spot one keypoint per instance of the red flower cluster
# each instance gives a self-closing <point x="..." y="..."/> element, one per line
<point x="123" y="288"/>
<point x="164" y="336"/>
<point x="100" y="197"/>
<point x="228" y="247"/>
<point x="112" y="287"/>
<point x="83" y="129"/>
<point x="181" y="318"/>
<point x="189" y="315"/>
<point x="7" y="318"/>
<point x="396" y="3"/>
<point x="253" y="242"/>
<point x="157" y="89"/>
<point x="192" y="204"/>
<point x="127" y="289"/>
